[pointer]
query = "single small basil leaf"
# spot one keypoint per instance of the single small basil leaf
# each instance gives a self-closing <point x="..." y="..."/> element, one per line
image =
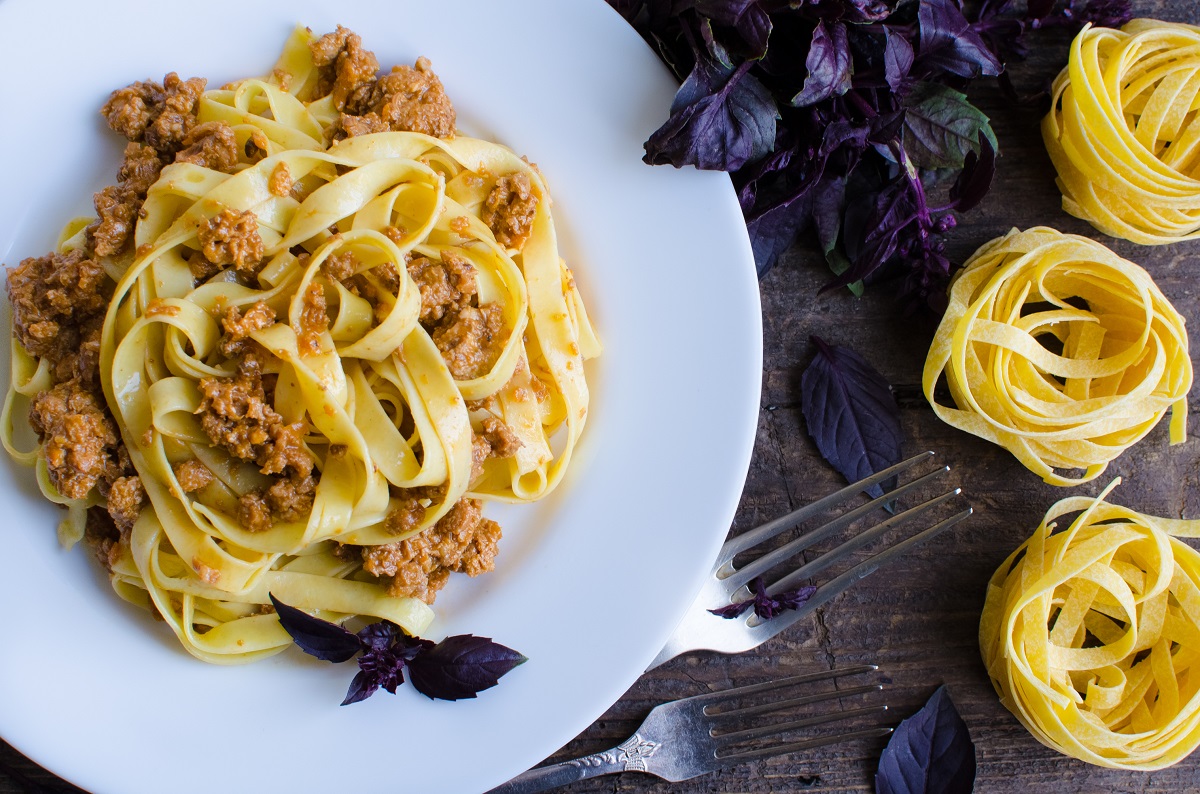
<point x="850" y="413"/>
<point x="829" y="202"/>
<point x="461" y="666"/>
<point x="931" y="752"/>
<point x="976" y="178"/>
<point x="897" y="58"/>
<point x="878" y="220"/>
<point x="949" y="44"/>
<point x="941" y="127"/>
<point x="362" y="686"/>
<point x="714" y="47"/>
<point x="319" y="638"/>
<point x="830" y="65"/>
<point x="721" y="119"/>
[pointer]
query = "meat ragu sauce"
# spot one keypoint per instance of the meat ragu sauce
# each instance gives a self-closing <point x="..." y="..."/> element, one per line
<point x="59" y="302"/>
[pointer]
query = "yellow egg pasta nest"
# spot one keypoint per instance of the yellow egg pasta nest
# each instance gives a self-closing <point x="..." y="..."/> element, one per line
<point x="1122" y="131"/>
<point x="1060" y="351"/>
<point x="1091" y="635"/>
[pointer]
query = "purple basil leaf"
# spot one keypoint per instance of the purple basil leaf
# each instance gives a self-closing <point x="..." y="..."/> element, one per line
<point x="793" y="599"/>
<point x="931" y="752"/>
<point x="748" y="17"/>
<point x="773" y="231"/>
<point x="830" y="66"/>
<point x="461" y="666"/>
<point x="897" y="59"/>
<point x="941" y="127"/>
<point x="721" y="119"/>
<point x="878" y="220"/>
<point x="949" y="44"/>
<point x="850" y="413"/>
<point x="362" y="686"/>
<point x="320" y="638"/>
<point x="976" y="177"/>
<point x="829" y="203"/>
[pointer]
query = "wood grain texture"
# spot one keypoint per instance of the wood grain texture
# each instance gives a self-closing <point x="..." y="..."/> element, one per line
<point x="918" y="619"/>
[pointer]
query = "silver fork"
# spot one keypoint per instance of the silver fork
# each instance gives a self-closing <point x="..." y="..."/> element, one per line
<point x="700" y="630"/>
<point x="694" y="736"/>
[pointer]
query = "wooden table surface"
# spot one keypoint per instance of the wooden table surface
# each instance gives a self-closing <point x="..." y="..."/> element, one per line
<point x="919" y="618"/>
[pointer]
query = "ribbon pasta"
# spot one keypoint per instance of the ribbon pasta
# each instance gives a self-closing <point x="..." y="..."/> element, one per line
<point x="382" y="410"/>
<point x="1059" y="351"/>
<point x="1122" y="131"/>
<point x="1091" y="635"/>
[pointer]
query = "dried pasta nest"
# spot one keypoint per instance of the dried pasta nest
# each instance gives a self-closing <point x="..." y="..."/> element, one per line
<point x="1061" y="352"/>
<point x="1123" y="134"/>
<point x="1091" y="635"/>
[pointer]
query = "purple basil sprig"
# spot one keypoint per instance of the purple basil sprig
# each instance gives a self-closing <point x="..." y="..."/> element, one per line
<point x="458" y="667"/>
<point x="845" y="118"/>
<point x="766" y="606"/>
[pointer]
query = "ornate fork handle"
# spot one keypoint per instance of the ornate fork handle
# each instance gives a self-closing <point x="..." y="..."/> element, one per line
<point x="630" y="755"/>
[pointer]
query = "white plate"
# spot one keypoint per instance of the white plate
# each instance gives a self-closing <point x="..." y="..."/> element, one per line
<point x="588" y="584"/>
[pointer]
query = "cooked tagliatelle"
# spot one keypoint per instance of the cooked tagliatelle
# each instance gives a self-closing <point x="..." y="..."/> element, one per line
<point x="329" y="338"/>
<point x="1091" y="635"/>
<point x="1060" y="351"/>
<point x="1122" y="131"/>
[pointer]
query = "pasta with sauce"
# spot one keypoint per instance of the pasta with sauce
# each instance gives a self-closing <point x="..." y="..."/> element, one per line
<point x="336" y="328"/>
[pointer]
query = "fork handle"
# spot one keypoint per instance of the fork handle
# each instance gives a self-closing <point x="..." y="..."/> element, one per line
<point x="549" y="777"/>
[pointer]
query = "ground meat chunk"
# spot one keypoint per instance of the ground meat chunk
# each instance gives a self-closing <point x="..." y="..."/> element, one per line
<point x="81" y="361"/>
<point x="510" y="208"/>
<point x="347" y="70"/>
<point x="291" y="498"/>
<point x="238" y="327"/>
<point x="192" y="475"/>
<point x="140" y="168"/>
<point x="462" y="541"/>
<point x="253" y="513"/>
<point x="130" y="110"/>
<point x="235" y="415"/>
<point x="447" y="286"/>
<point x="340" y="267"/>
<point x="348" y="126"/>
<point x="471" y="340"/>
<point x="405" y="517"/>
<point x="211" y="145"/>
<point x="125" y="500"/>
<point x="177" y="114"/>
<point x="117" y="206"/>
<point x="496" y="441"/>
<point x="231" y="238"/>
<point x="157" y="114"/>
<point x="77" y="437"/>
<point x="51" y="296"/>
<point x="313" y="319"/>
<point x="412" y="98"/>
<point x="281" y="180"/>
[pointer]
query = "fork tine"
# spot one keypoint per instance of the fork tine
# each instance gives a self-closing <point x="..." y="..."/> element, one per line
<point x="767" y="686"/>
<point x="807" y="744"/>
<point x="772" y="528"/>
<point x="858" y="541"/>
<point x="733" y="737"/>
<point x="767" y="708"/>
<point x="738" y="578"/>
<point x="766" y="629"/>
